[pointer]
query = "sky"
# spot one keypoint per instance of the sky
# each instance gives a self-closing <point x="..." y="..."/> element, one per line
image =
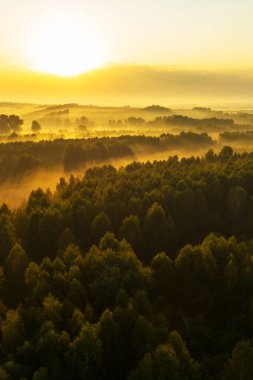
<point x="200" y="33"/>
<point x="181" y="50"/>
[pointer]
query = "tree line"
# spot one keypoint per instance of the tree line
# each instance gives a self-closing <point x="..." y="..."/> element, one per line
<point x="20" y="158"/>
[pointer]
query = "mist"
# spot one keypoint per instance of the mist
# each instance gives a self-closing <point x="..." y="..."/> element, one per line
<point x="15" y="192"/>
<point x="121" y="85"/>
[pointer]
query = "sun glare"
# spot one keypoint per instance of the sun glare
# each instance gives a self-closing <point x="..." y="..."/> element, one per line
<point x="67" y="50"/>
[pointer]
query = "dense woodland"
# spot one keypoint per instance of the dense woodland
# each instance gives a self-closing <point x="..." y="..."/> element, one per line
<point x="140" y="273"/>
<point x="237" y="138"/>
<point x="18" y="159"/>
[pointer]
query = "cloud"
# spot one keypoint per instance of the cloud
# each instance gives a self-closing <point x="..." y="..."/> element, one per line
<point x="130" y="84"/>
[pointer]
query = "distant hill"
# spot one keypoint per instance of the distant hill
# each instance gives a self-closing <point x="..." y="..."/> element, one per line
<point x="157" y="108"/>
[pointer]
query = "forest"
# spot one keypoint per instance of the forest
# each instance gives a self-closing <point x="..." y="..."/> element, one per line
<point x="126" y="190"/>
<point x="141" y="272"/>
<point x="17" y="159"/>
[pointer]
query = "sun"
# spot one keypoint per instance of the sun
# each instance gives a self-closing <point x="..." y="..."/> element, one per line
<point x="67" y="49"/>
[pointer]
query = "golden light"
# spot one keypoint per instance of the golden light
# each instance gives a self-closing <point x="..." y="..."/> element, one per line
<point x="67" y="49"/>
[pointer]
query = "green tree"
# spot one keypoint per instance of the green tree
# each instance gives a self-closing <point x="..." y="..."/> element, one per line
<point x="236" y="203"/>
<point x="7" y="237"/>
<point x="164" y="275"/>
<point x="132" y="232"/>
<point x="15" y="264"/>
<point x="3" y="374"/>
<point x="156" y="231"/>
<point x="111" y="344"/>
<point x="240" y="365"/>
<point x="100" y="225"/>
<point x="15" y="123"/>
<point x="12" y="331"/>
<point x="168" y="361"/>
<point x="52" y="348"/>
<point x="31" y="275"/>
<point x="35" y="127"/>
<point x="86" y="354"/>
<point x="226" y="153"/>
<point x="52" y="309"/>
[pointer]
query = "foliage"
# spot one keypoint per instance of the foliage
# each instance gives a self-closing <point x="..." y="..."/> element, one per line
<point x="144" y="272"/>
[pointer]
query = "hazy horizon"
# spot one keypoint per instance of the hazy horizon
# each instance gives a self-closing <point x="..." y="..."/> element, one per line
<point x="120" y="53"/>
<point x="134" y="85"/>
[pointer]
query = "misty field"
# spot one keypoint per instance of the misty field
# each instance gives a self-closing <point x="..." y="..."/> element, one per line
<point x="73" y="120"/>
<point x="58" y="140"/>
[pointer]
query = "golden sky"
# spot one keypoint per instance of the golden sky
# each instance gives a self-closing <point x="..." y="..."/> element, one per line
<point x="69" y="37"/>
<point x="178" y="32"/>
